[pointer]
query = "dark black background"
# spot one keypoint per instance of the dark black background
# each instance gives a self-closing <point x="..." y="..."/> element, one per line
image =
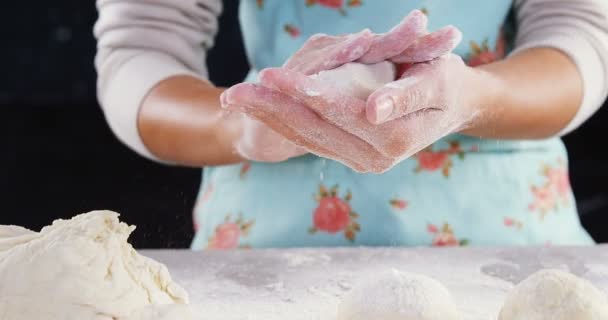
<point x="59" y="158"/>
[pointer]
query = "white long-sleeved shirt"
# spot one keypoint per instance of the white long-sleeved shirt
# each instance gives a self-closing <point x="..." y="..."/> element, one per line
<point x="141" y="43"/>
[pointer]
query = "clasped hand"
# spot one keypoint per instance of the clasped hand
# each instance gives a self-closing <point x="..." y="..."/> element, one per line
<point x="366" y="100"/>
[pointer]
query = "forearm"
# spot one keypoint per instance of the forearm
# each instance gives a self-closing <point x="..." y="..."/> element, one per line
<point x="142" y="44"/>
<point x="181" y="121"/>
<point x="531" y="95"/>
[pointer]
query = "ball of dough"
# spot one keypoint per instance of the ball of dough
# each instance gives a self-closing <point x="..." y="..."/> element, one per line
<point x="83" y="268"/>
<point x="397" y="295"/>
<point x="555" y="295"/>
<point x="358" y="79"/>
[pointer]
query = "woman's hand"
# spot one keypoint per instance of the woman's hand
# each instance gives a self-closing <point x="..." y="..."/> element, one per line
<point x="257" y="141"/>
<point x="298" y="121"/>
<point x="329" y="120"/>
<point x="260" y="143"/>
<point x="407" y="42"/>
<point x="395" y="122"/>
<point x="430" y="100"/>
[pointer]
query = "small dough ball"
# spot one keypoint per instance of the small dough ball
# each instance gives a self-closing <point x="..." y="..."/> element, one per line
<point x="84" y="268"/>
<point x="398" y="296"/>
<point x="555" y="295"/>
<point x="358" y="79"/>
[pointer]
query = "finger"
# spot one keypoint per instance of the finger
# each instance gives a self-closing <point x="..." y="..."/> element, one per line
<point x="320" y="97"/>
<point x="394" y="100"/>
<point x="398" y="39"/>
<point x="324" y="52"/>
<point x="301" y="125"/>
<point x="420" y="88"/>
<point x="431" y="46"/>
<point x="345" y="112"/>
<point x="247" y="98"/>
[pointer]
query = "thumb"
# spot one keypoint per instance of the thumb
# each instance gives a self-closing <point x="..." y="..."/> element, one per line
<point x="394" y="100"/>
<point x="421" y="87"/>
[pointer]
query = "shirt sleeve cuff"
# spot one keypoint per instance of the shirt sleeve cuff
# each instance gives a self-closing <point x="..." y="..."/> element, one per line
<point x="588" y="62"/>
<point x="125" y="94"/>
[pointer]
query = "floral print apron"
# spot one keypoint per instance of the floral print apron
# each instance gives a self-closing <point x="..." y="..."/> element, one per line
<point x="459" y="191"/>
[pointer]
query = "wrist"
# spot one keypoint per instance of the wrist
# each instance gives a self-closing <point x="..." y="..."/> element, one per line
<point x="483" y="90"/>
<point x="181" y="121"/>
<point x="227" y="134"/>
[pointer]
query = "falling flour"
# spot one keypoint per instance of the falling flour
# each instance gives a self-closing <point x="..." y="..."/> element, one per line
<point x="83" y="268"/>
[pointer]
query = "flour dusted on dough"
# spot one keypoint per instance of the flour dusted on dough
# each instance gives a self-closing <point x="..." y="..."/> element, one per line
<point x="83" y="268"/>
<point x="358" y="79"/>
<point x="397" y="295"/>
<point x="555" y="295"/>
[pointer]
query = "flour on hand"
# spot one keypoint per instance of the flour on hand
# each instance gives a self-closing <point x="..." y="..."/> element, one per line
<point x="83" y="268"/>
<point x="555" y="295"/>
<point x="358" y="79"/>
<point x="396" y="295"/>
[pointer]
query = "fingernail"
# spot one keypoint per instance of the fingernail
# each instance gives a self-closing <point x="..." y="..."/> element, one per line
<point x="384" y="109"/>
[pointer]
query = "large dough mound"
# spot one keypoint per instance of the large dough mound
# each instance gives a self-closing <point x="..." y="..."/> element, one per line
<point x="555" y="295"/>
<point x="83" y="268"/>
<point x="398" y="296"/>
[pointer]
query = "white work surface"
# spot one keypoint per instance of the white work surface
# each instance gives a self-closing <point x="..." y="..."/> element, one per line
<point x="308" y="284"/>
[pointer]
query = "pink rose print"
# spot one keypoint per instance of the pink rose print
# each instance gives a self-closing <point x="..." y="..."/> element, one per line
<point x="481" y="55"/>
<point x="337" y="5"/>
<point x="399" y="204"/>
<point x="433" y="161"/>
<point x="556" y="188"/>
<point x="331" y="4"/>
<point x="334" y="214"/>
<point x="292" y="30"/>
<point x="430" y="160"/>
<point x="245" y="167"/>
<point x="544" y="200"/>
<point x="513" y="223"/>
<point x="445" y="236"/>
<point x="559" y="179"/>
<point x="228" y="234"/>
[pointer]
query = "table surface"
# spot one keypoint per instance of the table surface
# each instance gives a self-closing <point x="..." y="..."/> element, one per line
<point x="308" y="284"/>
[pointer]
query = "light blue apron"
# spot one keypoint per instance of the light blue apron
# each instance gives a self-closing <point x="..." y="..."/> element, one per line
<point x="460" y="191"/>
